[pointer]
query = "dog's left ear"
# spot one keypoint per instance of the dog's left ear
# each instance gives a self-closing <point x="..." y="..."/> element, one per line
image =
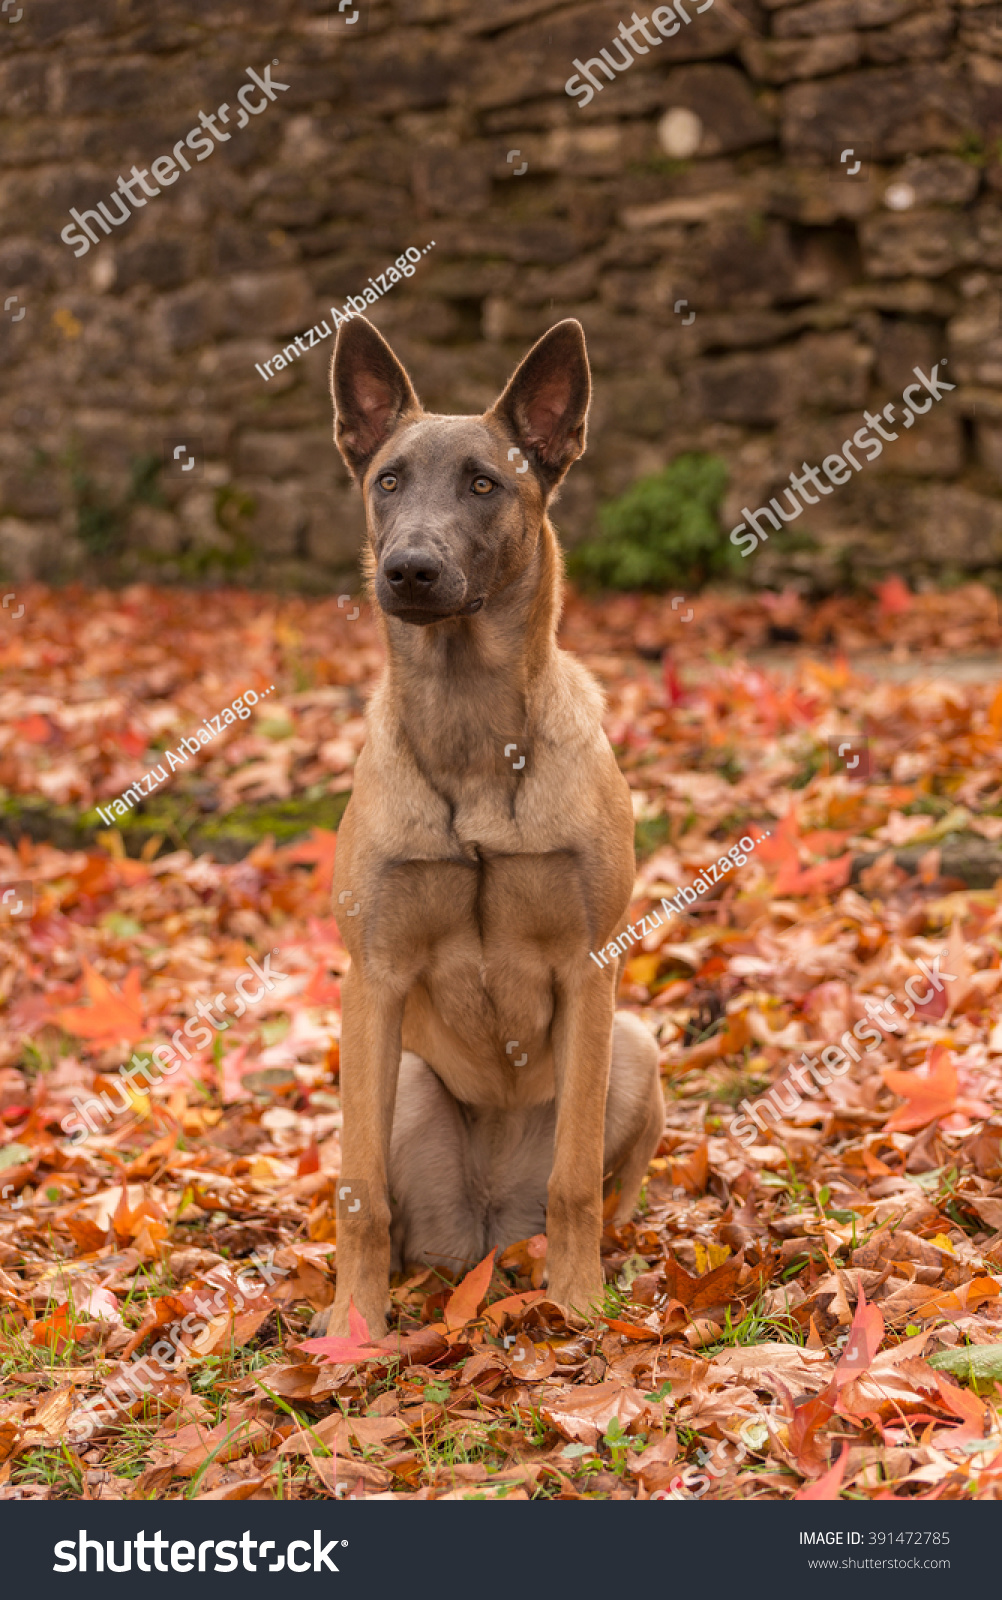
<point x="545" y="405"/>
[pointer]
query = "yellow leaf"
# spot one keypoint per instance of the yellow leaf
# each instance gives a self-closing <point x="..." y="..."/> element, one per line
<point x="709" y="1256"/>
<point x="267" y="1169"/>
<point x="643" y="969"/>
<point x="943" y="1243"/>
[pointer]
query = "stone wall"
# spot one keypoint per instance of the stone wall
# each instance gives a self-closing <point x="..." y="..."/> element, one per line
<point x="815" y="292"/>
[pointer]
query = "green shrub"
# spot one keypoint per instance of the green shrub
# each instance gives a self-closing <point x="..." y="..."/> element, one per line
<point x="664" y="530"/>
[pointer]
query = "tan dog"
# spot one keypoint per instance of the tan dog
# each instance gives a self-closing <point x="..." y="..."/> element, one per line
<point x="489" y="1087"/>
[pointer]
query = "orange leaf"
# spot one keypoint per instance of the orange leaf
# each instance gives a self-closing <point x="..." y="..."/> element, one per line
<point x="464" y="1302"/>
<point x="321" y="990"/>
<point x="309" y="1161"/>
<point x="821" y="841"/>
<point x="729" y="1043"/>
<point x="965" y="1298"/>
<point x="863" y="1342"/>
<point x="716" y="1288"/>
<point x="929" y="1094"/>
<point x="113" y="1016"/>
<point x="962" y="1403"/>
<point x="58" y="1330"/>
<point x="783" y="844"/>
<point x="643" y="969"/>
<point x="826" y="875"/>
<point x="995" y="712"/>
<point x="630" y="1330"/>
<point x="34" y="729"/>
<point x="320" y="847"/>
<point x="693" y="1174"/>
<point x="829" y="1485"/>
<point x="807" y="1419"/>
<point x="512" y="1303"/>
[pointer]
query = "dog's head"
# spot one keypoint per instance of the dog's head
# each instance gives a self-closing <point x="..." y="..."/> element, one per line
<point x="454" y="505"/>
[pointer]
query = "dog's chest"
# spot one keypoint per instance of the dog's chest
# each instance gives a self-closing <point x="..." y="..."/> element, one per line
<point x="489" y="937"/>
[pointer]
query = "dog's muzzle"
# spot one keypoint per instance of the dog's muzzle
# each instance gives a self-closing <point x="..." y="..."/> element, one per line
<point x="417" y="586"/>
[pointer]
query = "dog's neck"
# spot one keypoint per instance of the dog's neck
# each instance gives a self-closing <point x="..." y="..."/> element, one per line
<point x="460" y="689"/>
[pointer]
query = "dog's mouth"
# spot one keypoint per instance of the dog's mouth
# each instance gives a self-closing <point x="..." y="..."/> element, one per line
<point x="423" y="616"/>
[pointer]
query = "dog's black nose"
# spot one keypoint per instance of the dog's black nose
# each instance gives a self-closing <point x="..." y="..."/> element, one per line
<point x="413" y="574"/>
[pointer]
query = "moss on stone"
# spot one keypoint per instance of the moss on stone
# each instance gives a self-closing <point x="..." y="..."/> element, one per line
<point x="179" y="819"/>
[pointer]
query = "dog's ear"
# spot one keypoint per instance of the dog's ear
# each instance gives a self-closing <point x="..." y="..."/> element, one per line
<point x="371" y="392"/>
<point x="545" y="405"/>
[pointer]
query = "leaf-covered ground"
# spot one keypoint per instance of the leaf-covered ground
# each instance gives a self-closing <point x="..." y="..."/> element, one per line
<point x="815" y="1309"/>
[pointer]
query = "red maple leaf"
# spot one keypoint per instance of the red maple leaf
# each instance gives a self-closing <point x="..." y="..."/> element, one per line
<point x="827" y="875"/>
<point x="336" y="1347"/>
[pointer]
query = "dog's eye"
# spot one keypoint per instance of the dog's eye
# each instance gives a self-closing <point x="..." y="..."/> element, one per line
<point x="388" y="481"/>
<point x="482" y="485"/>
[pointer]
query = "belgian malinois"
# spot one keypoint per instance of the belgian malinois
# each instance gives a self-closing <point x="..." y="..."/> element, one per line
<point x="490" y="1088"/>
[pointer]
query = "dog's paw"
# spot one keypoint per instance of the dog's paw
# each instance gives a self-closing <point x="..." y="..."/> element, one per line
<point x="319" y="1324"/>
<point x="582" y="1298"/>
<point x="334" y="1320"/>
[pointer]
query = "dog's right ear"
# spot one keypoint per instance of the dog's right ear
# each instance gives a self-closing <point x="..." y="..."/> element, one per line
<point x="371" y="392"/>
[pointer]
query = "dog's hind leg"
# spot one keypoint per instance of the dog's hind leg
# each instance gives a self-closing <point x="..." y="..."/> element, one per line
<point x="432" y="1217"/>
<point x="463" y="1181"/>
<point x="634" y="1112"/>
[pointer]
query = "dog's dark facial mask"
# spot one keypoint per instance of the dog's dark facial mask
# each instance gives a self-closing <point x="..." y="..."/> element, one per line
<point x="454" y="504"/>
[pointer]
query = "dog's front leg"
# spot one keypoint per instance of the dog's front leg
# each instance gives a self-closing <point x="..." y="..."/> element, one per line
<point x="582" y="1050"/>
<point x="370" y="1062"/>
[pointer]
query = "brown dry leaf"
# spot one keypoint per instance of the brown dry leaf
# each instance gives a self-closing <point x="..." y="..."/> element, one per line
<point x="49" y="1418"/>
<point x="798" y="1367"/>
<point x="586" y="1413"/>
<point x="371" y="1431"/>
<point x="716" y="1288"/>
<point x="530" y="1362"/>
<point x="225" y="1442"/>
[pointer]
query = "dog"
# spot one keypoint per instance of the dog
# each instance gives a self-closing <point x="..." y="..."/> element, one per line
<point x="490" y="1089"/>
